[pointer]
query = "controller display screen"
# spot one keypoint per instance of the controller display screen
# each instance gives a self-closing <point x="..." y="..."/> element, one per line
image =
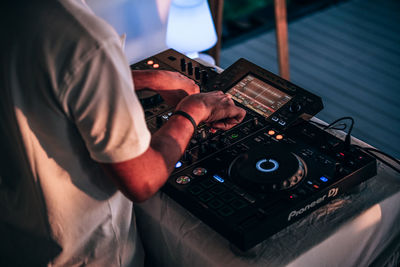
<point x="259" y="96"/>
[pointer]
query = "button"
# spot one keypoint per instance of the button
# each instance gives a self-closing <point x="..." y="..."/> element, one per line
<point x="195" y="189"/>
<point x="215" y="203"/>
<point x="226" y="211"/>
<point x="239" y="191"/>
<point x="200" y="171"/>
<point x="218" y="178"/>
<point x="238" y="204"/>
<point x="274" y="118"/>
<point x="206" y="196"/>
<point x="281" y="122"/>
<point x="217" y="190"/>
<point x="234" y="136"/>
<point x="184" y="179"/>
<point x="271" y="132"/>
<point x="324" y="179"/>
<point x="249" y="198"/>
<point x="150" y="62"/>
<point x="228" y="197"/>
<point x="208" y="183"/>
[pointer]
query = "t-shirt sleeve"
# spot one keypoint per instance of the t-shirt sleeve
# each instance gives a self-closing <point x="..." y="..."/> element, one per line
<point x="101" y="101"/>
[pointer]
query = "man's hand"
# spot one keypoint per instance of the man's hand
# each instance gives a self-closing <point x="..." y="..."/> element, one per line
<point x="172" y="86"/>
<point x="215" y="108"/>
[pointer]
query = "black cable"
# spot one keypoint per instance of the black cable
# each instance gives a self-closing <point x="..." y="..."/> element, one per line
<point x="368" y="150"/>
<point x="347" y="140"/>
<point x="340" y="127"/>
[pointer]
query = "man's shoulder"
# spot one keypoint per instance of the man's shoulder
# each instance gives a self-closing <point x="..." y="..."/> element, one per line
<point x="85" y="23"/>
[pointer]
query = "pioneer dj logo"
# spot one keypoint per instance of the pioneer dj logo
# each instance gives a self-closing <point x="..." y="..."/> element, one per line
<point x="331" y="193"/>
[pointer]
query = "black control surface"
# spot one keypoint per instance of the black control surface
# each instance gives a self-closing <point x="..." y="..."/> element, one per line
<point x="255" y="179"/>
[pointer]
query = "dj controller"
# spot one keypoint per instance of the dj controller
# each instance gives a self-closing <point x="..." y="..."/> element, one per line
<point x="269" y="171"/>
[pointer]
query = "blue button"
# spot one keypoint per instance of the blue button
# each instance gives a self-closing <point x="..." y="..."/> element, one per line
<point x="218" y="178"/>
<point x="178" y="165"/>
<point x="323" y="179"/>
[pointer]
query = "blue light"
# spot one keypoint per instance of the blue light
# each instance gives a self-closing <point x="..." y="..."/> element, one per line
<point x="323" y="179"/>
<point x="218" y="178"/>
<point x="178" y="165"/>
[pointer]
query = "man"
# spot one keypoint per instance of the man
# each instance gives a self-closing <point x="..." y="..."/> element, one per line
<point x="73" y="133"/>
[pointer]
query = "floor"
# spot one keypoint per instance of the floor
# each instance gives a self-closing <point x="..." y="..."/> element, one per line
<point x="349" y="54"/>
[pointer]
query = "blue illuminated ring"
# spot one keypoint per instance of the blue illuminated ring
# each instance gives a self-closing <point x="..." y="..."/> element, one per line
<point x="261" y="169"/>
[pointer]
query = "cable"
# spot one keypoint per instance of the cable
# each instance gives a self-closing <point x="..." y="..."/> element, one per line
<point x="340" y="127"/>
<point x="347" y="140"/>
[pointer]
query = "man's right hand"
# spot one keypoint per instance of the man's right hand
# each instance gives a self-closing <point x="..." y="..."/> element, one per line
<point x="139" y="178"/>
<point x="214" y="108"/>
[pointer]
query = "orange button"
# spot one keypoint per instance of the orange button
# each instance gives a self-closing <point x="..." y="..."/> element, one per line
<point x="150" y="62"/>
<point x="279" y="137"/>
<point x="271" y="132"/>
<point x="156" y="66"/>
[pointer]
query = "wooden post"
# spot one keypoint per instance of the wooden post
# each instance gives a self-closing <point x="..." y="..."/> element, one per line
<point x="216" y="8"/>
<point x="282" y="38"/>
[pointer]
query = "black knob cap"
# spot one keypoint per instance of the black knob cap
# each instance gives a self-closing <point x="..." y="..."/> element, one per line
<point x="190" y="68"/>
<point x="203" y="134"/>
<point x="183" y="64"/>
<point x="295" y="107"/>
<point x="159" y="121"/>
<point x="255" y="122"/>
<point x="204" y="77"/>
<point x="197" y="73"/>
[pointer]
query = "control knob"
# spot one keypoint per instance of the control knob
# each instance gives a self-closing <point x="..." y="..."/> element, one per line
<point x="295" y="107"/>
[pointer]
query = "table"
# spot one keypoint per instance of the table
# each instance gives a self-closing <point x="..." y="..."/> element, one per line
<point x="352" y="230"/>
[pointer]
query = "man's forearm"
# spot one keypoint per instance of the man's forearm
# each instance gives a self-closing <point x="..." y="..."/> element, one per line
<point x="141" y="177"/>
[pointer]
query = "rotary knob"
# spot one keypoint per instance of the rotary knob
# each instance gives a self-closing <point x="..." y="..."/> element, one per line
<point x="295" y="107"/>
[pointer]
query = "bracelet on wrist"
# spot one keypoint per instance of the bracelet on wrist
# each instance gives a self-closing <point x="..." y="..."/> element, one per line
<point x="187" y="116"/>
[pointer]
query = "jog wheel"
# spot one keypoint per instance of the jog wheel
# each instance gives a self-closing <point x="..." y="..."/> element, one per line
<point x="268" y="169"/>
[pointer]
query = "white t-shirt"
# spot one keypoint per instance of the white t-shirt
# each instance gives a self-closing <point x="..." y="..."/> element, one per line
<point x="74" y="106"/>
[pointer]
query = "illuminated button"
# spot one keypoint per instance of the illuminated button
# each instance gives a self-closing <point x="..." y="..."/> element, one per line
<point x="156" y="66"/>
<point x="323" y="179"/>
<point x="283" y="123"/>
<point x="279" y="137"/>
<point x="274" y="118"/>
<point x="199" y="171"/>
<point x="184" y="179"/>
<point x="178" y="165"/>
<point x="234" y="135"/>
<point x="316" y="186"/>
<point x="218" y="178"/>
<point x="150" y="62"/>
<point x="213" y="131"/>
<point x="271" y="132"/>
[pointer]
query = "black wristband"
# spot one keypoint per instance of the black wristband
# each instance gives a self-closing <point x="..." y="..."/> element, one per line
<point x="187" y="116"/>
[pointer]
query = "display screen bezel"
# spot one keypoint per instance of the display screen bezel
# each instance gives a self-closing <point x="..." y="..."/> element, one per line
<point x="273" y="85"/>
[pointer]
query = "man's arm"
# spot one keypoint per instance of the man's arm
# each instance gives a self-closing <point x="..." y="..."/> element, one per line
<point x="139" y="178"/>
<point x="172" y="86"/>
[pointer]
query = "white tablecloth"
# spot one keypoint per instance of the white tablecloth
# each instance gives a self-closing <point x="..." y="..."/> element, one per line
<point x="350" y="231"/>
